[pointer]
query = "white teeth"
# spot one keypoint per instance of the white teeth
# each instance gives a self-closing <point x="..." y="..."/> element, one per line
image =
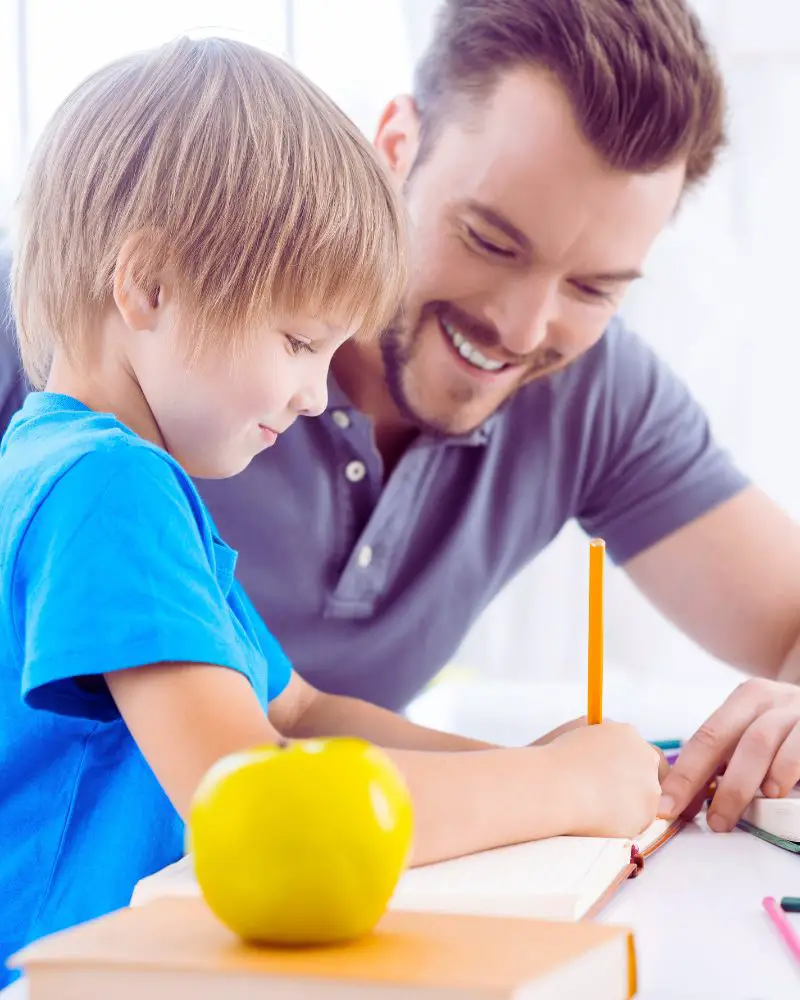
<point x="469" y="352"/>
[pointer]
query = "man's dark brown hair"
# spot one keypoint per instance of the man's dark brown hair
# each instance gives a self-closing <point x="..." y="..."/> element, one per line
<point x="645" y="88"/>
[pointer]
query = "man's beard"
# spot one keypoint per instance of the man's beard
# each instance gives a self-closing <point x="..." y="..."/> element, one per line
<point x="397" y="351"/>
<point x="398" y="347"/>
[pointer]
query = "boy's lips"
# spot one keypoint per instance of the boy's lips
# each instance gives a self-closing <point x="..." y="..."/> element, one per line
<point x="268" y="435"/>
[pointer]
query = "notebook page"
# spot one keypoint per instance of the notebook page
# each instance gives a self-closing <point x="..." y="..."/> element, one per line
<point x="176" y="879"/>
<point x="558" y="879"/>
<point x="649" y="836"/>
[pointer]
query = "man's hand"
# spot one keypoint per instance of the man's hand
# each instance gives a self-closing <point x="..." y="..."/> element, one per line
<point x="754" y="738"/>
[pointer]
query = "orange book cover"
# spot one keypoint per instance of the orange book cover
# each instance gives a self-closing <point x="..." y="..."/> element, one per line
<point x="479" y="956"/>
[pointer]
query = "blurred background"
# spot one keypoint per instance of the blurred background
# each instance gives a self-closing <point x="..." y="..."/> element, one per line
<point x="719" y="302"/>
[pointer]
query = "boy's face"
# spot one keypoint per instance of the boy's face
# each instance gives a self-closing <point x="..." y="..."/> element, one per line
<point x="217" y="414"/>
<point x="523" y="245"/>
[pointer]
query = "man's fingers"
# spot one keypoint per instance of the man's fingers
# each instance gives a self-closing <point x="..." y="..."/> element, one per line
<point x="702" y="755"/>
<point x="748" y="768"/>
<point x="784" y="773"/>
<point x="697" y="803"/>
<point x="695" y="767"/>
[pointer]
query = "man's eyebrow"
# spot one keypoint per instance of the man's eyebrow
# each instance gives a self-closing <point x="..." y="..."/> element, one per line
<point x="609" y="277"/>
<point x="500" y="222"/>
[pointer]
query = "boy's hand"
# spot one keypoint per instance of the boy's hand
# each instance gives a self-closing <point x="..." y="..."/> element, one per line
<point x="611" y="775"/>
<point x="565" y="727"/>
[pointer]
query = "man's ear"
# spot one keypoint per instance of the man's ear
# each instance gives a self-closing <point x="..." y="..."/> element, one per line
<point x="397" y="137"/>
<point x="139" y="292"/>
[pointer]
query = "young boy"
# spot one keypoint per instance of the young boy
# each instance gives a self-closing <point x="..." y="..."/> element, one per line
<point x="199" y="230"/>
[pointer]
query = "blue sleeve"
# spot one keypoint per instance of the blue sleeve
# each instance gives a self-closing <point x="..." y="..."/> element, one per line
<point x="116" y="571"/>
<point x="655" y="464"/>
<point x="279" y="665"/>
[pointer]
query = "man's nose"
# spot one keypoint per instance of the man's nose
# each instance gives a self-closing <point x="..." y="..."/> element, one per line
<point x="525" y="314"/>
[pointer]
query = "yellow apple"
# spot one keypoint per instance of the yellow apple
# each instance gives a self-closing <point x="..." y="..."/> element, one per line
<point x="301" y="843"/>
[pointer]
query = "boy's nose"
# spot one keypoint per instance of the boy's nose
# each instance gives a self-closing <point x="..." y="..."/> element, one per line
<point x="312" y="400"/>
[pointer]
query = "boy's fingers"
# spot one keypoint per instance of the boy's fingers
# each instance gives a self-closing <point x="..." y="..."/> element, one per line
<point x="559" y="731"/>
<point x="663" y="765"/>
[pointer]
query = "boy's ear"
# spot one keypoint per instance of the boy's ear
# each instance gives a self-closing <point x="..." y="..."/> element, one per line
<point x="397" y="137"/>
<point x="139" y="293"/>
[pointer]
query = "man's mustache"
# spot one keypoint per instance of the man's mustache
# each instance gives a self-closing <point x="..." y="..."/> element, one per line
<point x="487" y="335"/>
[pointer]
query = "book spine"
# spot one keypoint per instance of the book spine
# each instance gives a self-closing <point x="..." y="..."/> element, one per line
<point x="637" y="860"/>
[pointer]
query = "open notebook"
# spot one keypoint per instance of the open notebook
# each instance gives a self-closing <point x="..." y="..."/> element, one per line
<point x="561" y="878"/>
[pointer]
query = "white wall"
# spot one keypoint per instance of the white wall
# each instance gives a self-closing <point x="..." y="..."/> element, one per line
<point x="9" y="106"/>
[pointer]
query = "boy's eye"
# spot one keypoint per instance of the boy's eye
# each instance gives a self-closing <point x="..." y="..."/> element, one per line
<point x="297" y="346"/>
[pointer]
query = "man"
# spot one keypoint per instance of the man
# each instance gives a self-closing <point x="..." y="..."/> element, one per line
<point x="547" y="144"/>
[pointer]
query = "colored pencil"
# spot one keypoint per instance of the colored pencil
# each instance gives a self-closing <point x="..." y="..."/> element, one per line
<point x="597" y="549"/>
<point x="782" y="925"/>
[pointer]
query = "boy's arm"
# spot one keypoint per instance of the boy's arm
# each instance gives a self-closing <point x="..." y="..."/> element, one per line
<point x="184" y="717"/>
<point x="301" y="710"/>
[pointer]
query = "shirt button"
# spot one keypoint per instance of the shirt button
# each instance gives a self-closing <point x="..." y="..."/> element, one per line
<point x="341" y="419"/>
<point x="364" y="557"/>
<point x="355" y="471"/>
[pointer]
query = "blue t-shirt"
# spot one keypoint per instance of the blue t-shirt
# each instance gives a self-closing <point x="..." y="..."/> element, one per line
<point x="108" y="560"/>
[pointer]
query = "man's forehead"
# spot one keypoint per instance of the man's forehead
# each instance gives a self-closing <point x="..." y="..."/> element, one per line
<point x="525" y="122"/>
<point x="542" y="177"/>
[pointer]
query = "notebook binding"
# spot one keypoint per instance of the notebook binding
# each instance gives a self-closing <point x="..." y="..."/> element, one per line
<point x="637" y="860"/>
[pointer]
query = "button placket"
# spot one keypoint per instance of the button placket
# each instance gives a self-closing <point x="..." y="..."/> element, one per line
<point x="365" y="576"/>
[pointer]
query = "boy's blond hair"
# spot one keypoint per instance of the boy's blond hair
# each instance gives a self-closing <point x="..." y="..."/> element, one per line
<point x="261" y="195"/>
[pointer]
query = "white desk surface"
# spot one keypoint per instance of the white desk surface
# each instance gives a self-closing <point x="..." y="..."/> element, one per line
<point x="698" y="923"/>
<point x="700" y="930"/>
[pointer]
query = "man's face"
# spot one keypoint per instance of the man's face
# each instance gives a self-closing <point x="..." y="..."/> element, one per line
<point x="523" y="244"/>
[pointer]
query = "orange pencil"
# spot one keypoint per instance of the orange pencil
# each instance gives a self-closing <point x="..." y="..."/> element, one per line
<point x="597" y="548"/>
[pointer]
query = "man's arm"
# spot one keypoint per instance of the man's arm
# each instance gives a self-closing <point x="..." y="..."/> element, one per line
<point x="731" y="581"/>
<point x="714" y="555"/>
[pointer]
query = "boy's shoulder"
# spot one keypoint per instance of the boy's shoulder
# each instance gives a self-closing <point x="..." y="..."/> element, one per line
<point x="52" y="432"/>
<point x="57" y="449"/>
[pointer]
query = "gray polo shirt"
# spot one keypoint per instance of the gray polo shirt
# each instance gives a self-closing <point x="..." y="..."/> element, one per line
<point x="372" y="585"/>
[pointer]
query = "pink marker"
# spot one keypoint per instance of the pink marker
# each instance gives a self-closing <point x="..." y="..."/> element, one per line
<point x="784" y="928"/>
